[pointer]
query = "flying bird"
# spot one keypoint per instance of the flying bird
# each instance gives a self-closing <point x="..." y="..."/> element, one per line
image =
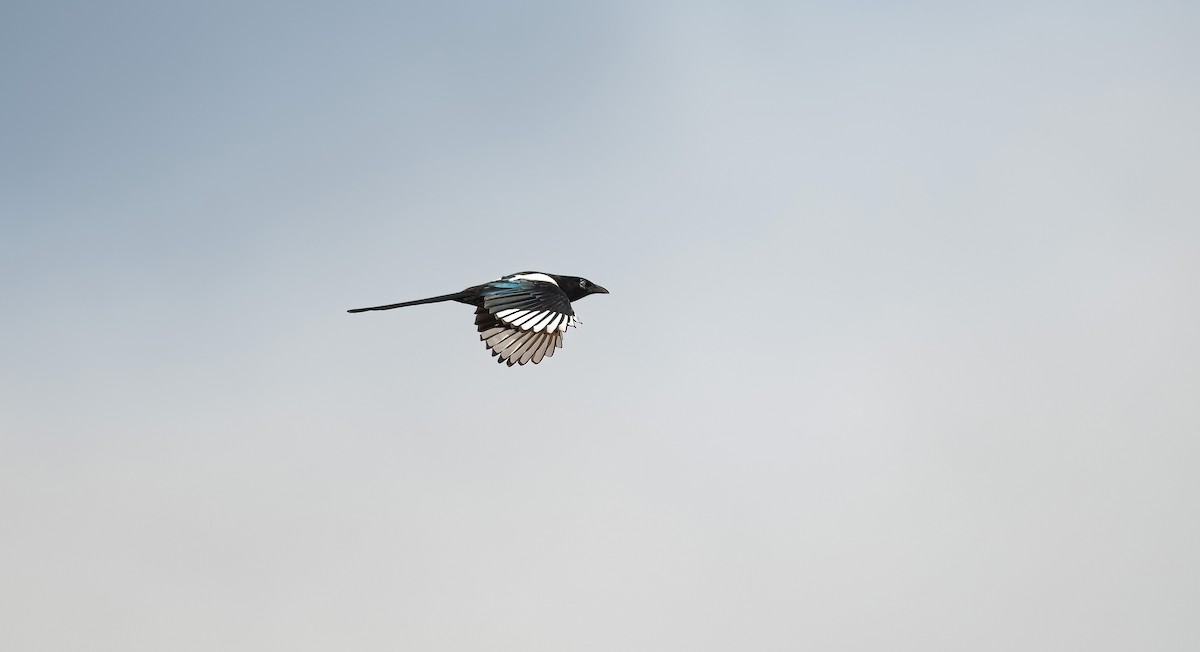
<point x="522" y="317"/>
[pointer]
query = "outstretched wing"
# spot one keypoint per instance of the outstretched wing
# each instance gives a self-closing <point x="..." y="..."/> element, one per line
<point x="523" y="317"/>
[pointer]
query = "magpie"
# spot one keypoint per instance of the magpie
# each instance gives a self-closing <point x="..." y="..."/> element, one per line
<point x="522" y="317"/>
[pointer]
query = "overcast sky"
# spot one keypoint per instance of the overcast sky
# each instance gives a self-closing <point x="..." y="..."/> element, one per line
<point x="900" y="352"/>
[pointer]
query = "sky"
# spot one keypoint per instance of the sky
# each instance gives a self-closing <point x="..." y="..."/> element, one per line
<point x="900" y="351"/>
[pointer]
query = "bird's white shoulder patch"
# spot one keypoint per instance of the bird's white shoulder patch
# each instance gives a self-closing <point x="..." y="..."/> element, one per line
<point x="537" y="276"/>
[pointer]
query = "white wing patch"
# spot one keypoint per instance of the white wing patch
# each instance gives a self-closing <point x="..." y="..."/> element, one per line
<point x="541" y="324"/>
<point x="538" y="321"/>
<point x="536" y="276"/>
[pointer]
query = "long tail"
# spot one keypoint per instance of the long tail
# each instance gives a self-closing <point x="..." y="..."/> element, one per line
<point x="445" y="297"/>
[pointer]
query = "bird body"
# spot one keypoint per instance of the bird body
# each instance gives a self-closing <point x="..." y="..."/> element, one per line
<point x="521" y="317"/>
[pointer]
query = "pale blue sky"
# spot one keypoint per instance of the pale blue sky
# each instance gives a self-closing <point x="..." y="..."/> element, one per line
<point x="900" y="352"/>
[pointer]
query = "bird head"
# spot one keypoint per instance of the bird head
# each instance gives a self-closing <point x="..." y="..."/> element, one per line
<point x="577" y="288"/>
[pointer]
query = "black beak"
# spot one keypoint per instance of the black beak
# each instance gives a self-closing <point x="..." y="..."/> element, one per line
<point x="596" y="289"/>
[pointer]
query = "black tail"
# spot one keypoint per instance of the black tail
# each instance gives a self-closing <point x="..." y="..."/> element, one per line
<point x="445" y="297"/>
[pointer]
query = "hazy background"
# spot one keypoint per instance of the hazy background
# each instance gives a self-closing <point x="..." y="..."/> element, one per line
<point x="900" y="352"/>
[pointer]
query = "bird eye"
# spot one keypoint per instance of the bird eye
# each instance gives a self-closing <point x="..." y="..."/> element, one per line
<point x="583" y="282"/>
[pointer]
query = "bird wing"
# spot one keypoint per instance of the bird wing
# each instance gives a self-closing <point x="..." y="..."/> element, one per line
<point x="523" y="320"/>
